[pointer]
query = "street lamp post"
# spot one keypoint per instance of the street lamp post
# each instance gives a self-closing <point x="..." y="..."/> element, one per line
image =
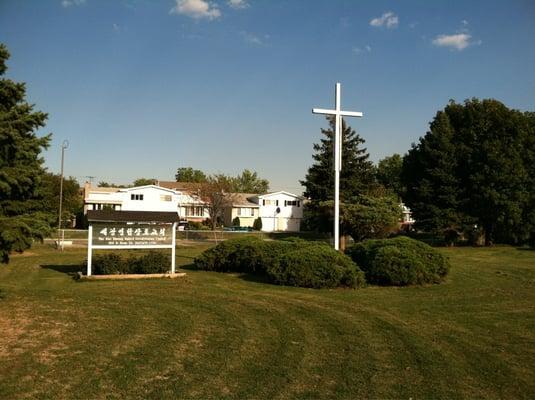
<point x="64" y="146"/>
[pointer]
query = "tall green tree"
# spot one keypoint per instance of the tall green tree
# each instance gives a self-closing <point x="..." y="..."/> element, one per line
<point x="72" y="204"/>
<point x="357" y="182"/>
<point x="188" y="174"/>
<point x="388" y="174"/>
<point x="21" y="216"/>
<point x="249" y="182"/>
<point x="357" y="175"/>
<point x="474" y="169"/>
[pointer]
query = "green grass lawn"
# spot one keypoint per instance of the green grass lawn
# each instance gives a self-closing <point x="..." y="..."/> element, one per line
<point x="212" y="336"/>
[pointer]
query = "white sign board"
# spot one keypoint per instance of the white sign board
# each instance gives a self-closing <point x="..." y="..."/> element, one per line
<point x="117" y="235"/>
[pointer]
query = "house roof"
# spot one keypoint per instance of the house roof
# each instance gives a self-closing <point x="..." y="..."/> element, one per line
<point x="151" y="187"/>
<point x="132" y="216"/>
<point x="242" y="199"/>
<point x="262" y="196"/>
<point x="191" y="187"/>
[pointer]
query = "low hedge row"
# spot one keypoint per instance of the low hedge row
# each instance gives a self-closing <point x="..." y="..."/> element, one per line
<point x="399" y="261"/>
<point x="112" y="263"/>
<point x="292" y="262"/>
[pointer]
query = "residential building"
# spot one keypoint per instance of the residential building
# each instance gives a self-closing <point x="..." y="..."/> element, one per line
<point x="243" y="206"/>
<point x="281" y="211"/>
<point x="145" y="198"/>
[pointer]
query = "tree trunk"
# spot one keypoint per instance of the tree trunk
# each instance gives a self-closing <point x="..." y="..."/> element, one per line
<point x="489" y="230"/>
<point x="343" y="239"/>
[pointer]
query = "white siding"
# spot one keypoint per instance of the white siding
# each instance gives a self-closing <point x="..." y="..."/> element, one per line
<point x="289" y="216"/>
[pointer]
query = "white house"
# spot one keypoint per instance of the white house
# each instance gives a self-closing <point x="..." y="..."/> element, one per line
<point x="280" y="211"/>
<point x="145" y="198"/>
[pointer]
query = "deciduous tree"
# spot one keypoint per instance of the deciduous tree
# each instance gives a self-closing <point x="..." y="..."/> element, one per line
<point x="188" y="174"/>
<point x="474" y="168"/>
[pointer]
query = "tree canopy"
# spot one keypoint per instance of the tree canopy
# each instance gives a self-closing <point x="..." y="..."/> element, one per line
<point x="72" y="204"/>
<point x="21" y="217"/>
<point x="249" y="182"/>
<point x="474" y="169"/>
<point x="188" y="174"/>
<point x="144" y="181"/>
<point x="388" y="174"/>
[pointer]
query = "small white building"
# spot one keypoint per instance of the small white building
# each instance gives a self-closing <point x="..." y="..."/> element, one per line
<point x="145" y="198"/>
<point x="280" y="211"/>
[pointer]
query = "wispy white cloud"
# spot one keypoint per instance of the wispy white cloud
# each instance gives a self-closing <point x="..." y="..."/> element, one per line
<point x="360" y="50"/>
<point x="238" y="4"/>
<point x="388" y="20"/>
<point x="69" y="3"/>
<point x="457" y="41"/>
<point x="196" y="9"/>
<point x="254" y="39"/>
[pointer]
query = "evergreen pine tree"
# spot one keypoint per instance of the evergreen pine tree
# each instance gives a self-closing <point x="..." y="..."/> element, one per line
<point x="21" y="220"/>
<point x="356" y="176"/>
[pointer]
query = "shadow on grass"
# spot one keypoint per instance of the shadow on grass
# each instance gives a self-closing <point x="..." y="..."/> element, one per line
<point x="255" y="278"/>
<point x="69" y="269"/>
<point x="189" y="267"/>
<point x="526" y="248"/>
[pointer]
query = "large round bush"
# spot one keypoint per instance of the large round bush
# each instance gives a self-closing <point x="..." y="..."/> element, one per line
<point x="399" y="261"/>
<point x="247" y="254"/>
<point x="317" y="266"/>
<point x="287" y="262"/>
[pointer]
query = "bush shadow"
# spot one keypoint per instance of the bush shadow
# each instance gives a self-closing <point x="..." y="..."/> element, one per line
<point x="255" y="278"/>
<point x="68" y="269"/>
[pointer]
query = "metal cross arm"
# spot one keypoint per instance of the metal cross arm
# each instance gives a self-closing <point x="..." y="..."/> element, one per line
<point x="335" y="112"/>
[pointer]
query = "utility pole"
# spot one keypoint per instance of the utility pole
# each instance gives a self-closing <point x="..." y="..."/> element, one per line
<point x="64" y="146"/>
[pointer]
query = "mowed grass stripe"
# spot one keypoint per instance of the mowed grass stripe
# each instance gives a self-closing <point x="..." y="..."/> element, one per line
<point x="227" y="336"/>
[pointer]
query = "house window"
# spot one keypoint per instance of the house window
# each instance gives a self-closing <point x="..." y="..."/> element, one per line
<point x="291" y="203"/>
<point x="165" y="197"/>
<point x="136" y="197"/>
<point x="194" y="211"/>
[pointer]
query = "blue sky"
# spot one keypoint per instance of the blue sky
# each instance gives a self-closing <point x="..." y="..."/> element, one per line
<point x="140" y="88"/>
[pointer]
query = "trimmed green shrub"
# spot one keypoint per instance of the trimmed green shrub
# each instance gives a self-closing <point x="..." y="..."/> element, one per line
<point x="236" y="221"/>
<point x="111" y="264"/>
<point x="246" y="254"/>
<point x="197" y="226"/>
<point x="399" y="261"/>
<point x="317" y="266"/>
<point x="257" y="224"/>
<point x="293" y="262"/>
<point x="151" y="263"/>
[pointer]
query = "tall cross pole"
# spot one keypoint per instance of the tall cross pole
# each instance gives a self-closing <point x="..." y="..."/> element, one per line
<point x="338" y="114"/>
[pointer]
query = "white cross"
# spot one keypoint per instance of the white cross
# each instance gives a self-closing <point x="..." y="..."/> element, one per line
<point x="338" y="114"/>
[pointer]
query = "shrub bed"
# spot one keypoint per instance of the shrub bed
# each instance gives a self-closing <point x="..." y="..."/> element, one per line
<point x="318" y="266"/>
<point x="399" y="261"/>
<point x="293" y="262"/>
<point x="112" y="264"/>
